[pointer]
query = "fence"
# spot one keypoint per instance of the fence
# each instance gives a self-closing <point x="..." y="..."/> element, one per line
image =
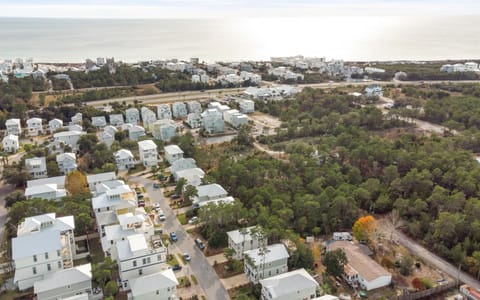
<point x="426" y="293"/>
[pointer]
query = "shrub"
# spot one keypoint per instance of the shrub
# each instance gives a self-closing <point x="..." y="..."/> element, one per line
<point x="418" y="284"/>
<point x="387" y="263"/>
<point x="427" y="283"/>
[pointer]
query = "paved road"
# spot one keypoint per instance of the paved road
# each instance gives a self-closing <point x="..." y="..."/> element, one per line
<point x="428" y="256"/>
<point x="206" y="276"/>
<point x="5" y="189"/>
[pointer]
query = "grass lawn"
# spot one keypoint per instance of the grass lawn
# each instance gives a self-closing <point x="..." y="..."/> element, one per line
<point x="172" y="260"/>
<point x="182" y="259"/>
<point x="194" y="279"/>
<point x="96" y="251"/>
<point x="138" y="168"/>
<point x="182" y="218"/>
<point x="183" y="282"/>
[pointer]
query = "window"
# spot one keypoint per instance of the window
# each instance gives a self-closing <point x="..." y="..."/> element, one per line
<point x="148" y="260"/>
<point x="140" y="272"/>
<point x="158" y="292"/>
<point x="144" y="261"/>
<point x="159" y="257"/>
<point x="34" y="270"/>
<point x="49" y="267"/>
<point x="46" y="255"/>
<point x="58" y="253"/>
<point x="34" y="258"/>
<point x="59" y="264"/>
<point x="134" y="263"/>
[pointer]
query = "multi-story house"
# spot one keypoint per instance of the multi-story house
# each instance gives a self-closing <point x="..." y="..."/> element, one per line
<point x="161" y="285"/>
<point x="247" y="106"/>
<point x="49" y="191"/>
<point x="148" y="153"/>
<point x="245" y="239"/>
<point x="194" y="120"/>
<point x="294" y="285"/>
<point x="13" y="126"/>
<point x="148" y="117"/>
<point x="34" y="126"/>
<point x="265" y="262"/>
<point x="373" y="91"/>
<point x="213" y="121"/>
<point x="70" y="138"/>
<point x="238" y="120"/>
<point x="10" y="143"/>
<point x="211" y="193"/>
<point x="54" y="125"/>
<point x="194" y="107"/>
<point x="164" y="130"/>
<point x="173" y="153"/>
<point x="135" y="132"/>
<point x="97" y="179"/>
<point x="66" y="283"/>
<point x="124" y="159"/>
<point x="99" y="122"/>
<point x="44" y="244"/>
<point x="116" y="119"/>
<point x="179" y="110"/>
<point x="137" y="256"/>
<point x="77" y="119"/>
<point x="164" y="112"/>
<point x="67" y="162"/>
<point x="36" y="167"/>
<point x="132" y="116"/>
<point x="106" y="137"/>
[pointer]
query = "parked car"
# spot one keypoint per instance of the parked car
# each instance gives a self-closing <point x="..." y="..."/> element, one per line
<point x="140" y="196"/>
<point x="157" y="207"/>
<point x="173" y="236"/>
<point x="187" y="257"/>
<point x="156" y="186"/>
<point x="176" y="267"/>
<point x="161" y="216"/>
<point x="199" y="244"/>
<point x="175" y="196"/>
<point x="141" y="203"/>
<point x="193" y="220"/>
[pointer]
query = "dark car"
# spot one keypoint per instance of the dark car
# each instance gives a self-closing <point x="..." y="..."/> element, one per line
<point x="156" y="186"/>
<point x="173" y="236"/>
<point x="174" y="196"/>
<point x="200" y="244"/>
<point x="176" y="267"/>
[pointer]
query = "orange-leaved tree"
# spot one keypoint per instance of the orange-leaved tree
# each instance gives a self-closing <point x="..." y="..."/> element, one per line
<point x="364" y="228"/>
<point x="76" y="183"/>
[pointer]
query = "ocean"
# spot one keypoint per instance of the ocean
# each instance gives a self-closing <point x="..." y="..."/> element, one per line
<point x="354" y="38"/>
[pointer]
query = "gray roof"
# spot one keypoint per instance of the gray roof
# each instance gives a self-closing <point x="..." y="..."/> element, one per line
<point x="63" y="278"/>
<point x="44" y="241"/>
<point x="101" y="177"/>
<point x="272" y="253"/>
<point x="289" y="283"/>
<point x="156" y="281"/>
<point x="237" y="237"/>
<point x="173" y="149"/>
<point x="58" y="180"/>
<point x="211" y="190"/>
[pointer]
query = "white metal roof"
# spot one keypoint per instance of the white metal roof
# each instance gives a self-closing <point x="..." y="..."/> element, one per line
<point x="63" y="278"/>
<point x="211" y="190"/>
<point x="148" y="283"/>
<point x="132" y="246"/>
<point x="270" y="254"/>
<point x="101" y="177"/>
<point x="288" y="283"/>
<point x="58" y="180"/>
<point x="172" y="150"/>
<point x="123" y="154"/>
<point x="237" y="237"/>
<point x="147" y="145"/>
<point x="44" y="241"/>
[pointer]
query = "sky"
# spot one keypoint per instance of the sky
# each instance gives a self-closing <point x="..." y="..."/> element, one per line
<point x="231" y="8"/>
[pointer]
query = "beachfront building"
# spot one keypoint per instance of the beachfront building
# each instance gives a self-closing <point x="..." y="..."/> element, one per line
<point x="10" y="143"/>
<point x="173" y="153"/>
<point x="132" y="116"/>
<point x="246" y="239"/>
<point x="135" y="132"/>
<point x="34" y="126"/>
<point x="294" y="285"/>
<point x="54" y="247"/>
<point x="13" y="126"/>
<point x="213" y="121"/>
<point x="36" y="167"/>
<point x="54" y="125"/>
<point x="66" y="283"/>
<point x="265" y="262"/>
<point x="161" y="285"/>
<point x="164" y="112"/>
<point x="137" y="256"/>
<point x="148" y="117"/>
<point x="179" y="110"/>
<point x="67" y="162"/>
<point x="124" y="159"/>
<point x="148" y="153"/>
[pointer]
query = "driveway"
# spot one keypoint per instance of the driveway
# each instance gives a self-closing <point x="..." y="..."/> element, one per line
<point x="199" y="265"/>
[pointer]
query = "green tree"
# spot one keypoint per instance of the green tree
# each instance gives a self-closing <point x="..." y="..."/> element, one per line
<point x="406" y="266"/>
<point x="110" y="289"/>
<point x="190" y="192"/>
<point x="335" y="262"/>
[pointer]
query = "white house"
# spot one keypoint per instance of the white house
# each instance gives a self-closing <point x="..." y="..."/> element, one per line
<point x="373" y="90"/>
<point x="54" y="125"/>
<point x="193" y="176"/>
<point x="294" y="285"/>
<point x="148" y="117"/>
<point x="36" y="167"/>
<point x="46" y="191"/>
<point x="65" y="283"/>
<point x="361" y="271"/>
<point x="38" y="74"/>
<point x="245" y="239"/>
<point x="265" y="262"/>
<point x="135" y="132"/>
<point x="116" y="119"/>
<point x="124" y="159"/>
<point x="179" y="110"/>
<point x="57" y="180"/>
<point x="13" y="126"/>
<point x="247" y="106"/>
<point x="106" y="138"/>
<point x="173" y="153"/>
<point x="182" y="164"/>
<point x="111" y="130"/>
<point x="237" y="120"/>
<point x="164" y="112"/>
<point x="132" y="116"/>
<point x="194" y="120"/>
<point x="99" y="122"/>
<point x="148" y="153"/>
<point x="53" y="249"/>
<point x="138" y="257"/>
<point x="342" y="236"/>
<point x="227" y="115"/>
<point x="208" y="193"/>
<point x="10" y="143"/>
<point x="34" y="126"/>
<point x="70" y="138"/>
<point x="77" y="119"/>
<point x="161" y="285"/>
<point x="67" y="162"/>
<point x="194" y="107"/>
<point x="164" y="130"/>
<point x="97" y="179"/>
<point x="213" y="121"/>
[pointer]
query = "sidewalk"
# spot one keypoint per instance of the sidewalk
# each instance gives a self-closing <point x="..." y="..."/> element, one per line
<point x="219" y="258"/>
<point x="235" y="281"/>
